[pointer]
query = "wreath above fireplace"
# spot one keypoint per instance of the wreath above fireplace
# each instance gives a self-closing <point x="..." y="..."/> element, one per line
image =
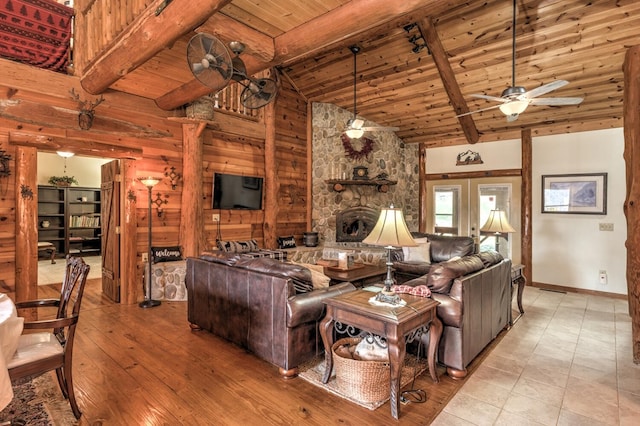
<point x="354" y="154"/>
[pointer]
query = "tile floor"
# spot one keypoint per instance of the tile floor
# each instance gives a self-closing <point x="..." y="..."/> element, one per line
<point x="567" y="361"/>
<point x="52" y="273"/>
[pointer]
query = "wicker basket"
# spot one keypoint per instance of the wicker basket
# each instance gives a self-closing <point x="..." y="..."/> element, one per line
<point x="365" y="381"/>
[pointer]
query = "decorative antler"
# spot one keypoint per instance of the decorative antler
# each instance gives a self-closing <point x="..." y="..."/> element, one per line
<point x="85" y="117"/>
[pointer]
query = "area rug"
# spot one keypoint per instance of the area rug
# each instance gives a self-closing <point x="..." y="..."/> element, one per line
<point x="313" y="371"/>
<point x="38" y="402"/>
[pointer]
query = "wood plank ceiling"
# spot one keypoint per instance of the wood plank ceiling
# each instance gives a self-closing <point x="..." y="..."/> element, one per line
<point x="583" y="42"/>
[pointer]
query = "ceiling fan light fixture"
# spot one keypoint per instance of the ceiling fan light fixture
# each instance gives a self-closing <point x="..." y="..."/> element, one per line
<point x="355" y="133"/>
<point x="65" y="154"/>
<point x="514" y="107"/>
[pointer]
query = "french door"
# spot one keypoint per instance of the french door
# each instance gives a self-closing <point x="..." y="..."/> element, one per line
<point x="462" y="207"/>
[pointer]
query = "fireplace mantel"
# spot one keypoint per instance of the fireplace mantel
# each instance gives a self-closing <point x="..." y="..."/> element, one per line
<point x="338" y="185"/>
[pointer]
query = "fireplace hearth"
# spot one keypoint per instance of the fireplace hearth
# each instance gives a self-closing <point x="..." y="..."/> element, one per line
<point x="355" y="223"/>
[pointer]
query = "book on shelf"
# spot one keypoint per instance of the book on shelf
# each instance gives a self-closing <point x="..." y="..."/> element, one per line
<point x="84" y="221"/>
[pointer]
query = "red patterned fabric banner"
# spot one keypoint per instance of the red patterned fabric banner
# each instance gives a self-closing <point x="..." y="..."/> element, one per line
<point x="36" y="32"/>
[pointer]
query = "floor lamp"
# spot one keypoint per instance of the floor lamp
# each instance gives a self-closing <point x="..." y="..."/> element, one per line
<point x="497" y="224"/>
<point x="148" y="302"/>
<point x="390" y="232"/>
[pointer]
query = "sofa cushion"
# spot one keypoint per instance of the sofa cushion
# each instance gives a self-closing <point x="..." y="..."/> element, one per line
<point x="300" y="275"/>
<point x="237" y="246"/>
<point x="490" y="257"/>
<point x="414" y="268"/>
<point x="449" y="310"/>
<point x="441" y="276"/>
<point x="445" y="247"/>
<point x="420" y="253"/>
<point x="225" y="258"/>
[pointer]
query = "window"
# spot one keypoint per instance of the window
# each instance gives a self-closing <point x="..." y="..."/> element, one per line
<point x="447" y="206"/>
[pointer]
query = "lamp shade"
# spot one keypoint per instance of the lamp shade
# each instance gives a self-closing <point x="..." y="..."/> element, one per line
<point x="513" y="107"/>
<point x="497" y="223"/>
<point x="149" y="181"/>
<point x="390" y="230"/>
<point x="65" y="154"/>
<point x="355" y="133"/>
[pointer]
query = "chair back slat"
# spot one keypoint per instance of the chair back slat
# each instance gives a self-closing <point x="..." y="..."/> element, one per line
<point x="75" y="278"/>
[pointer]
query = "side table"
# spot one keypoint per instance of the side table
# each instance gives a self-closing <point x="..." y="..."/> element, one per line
<point x="392" y="322"/>
<point x="517" y="279"/>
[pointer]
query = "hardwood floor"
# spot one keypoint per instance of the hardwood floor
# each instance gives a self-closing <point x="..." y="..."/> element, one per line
<point x="145" y="366"/>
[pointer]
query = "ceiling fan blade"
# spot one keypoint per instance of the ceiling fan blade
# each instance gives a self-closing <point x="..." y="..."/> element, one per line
<point x="556" y="101"/>
<point x="380" y="129"/>
<point x="490" y="98"/>
<point x="478" y="110"/>
<point x="545" y="88"/>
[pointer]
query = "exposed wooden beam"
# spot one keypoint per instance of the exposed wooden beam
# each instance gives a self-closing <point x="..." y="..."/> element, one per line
<point x="40" y="114"/>
<point x="526" y="204"/>
<point x="448" y="78"/>
<point x="144" y="38"/>
<point x="339" y="25"/>
<point x="80" y="147"/>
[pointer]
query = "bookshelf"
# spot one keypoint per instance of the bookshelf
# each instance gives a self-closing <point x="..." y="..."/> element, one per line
<point x="69" y="218"/>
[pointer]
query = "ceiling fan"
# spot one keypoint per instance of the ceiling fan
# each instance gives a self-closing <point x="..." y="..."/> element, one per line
<point x="211" y="63"/>
<point x="514" y="100"/>
<point x="355" y="126"/>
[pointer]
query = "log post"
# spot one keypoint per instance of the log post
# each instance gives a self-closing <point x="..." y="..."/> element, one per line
<point x="422" y="187"/>
<point x="191" y="221"/>
<point x="526" y="203"/>
<point x="631" y="106"/>
<point x="26" y="228"/>
<point x="270" y="177"/>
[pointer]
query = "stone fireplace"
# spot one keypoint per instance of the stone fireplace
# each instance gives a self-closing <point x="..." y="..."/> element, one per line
<point x="355" y="223"/>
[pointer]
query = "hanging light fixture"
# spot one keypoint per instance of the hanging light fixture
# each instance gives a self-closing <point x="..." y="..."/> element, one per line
<point x="65" y="154"/>
<point x="354" y="125"/>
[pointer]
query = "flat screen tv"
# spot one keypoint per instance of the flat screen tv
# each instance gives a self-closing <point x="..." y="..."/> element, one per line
<point x="237" y="192"/>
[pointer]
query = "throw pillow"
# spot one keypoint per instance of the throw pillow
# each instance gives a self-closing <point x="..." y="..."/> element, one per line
<point x="166" y="254"/>
<point x="237" y="246"/>
<point x="318" y="278"/>
<point x="286" y="242"/>
<point x="421" y="253"/>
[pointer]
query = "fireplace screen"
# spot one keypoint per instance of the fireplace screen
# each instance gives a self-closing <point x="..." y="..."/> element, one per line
<point x="355" y="223"/>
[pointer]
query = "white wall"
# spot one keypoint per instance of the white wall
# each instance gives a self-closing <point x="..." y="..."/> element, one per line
<point x="569" y="249"/>
<point x="86" y="170"/>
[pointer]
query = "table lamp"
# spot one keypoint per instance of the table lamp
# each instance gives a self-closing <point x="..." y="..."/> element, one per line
<point x="497" y="224"/>
<point x="390" y="232"/>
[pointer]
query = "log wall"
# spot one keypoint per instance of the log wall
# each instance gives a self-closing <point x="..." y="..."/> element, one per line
<point x="231" y="144"/>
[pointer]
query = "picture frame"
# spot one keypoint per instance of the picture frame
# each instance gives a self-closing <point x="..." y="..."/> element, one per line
<point x="584" y="193"/>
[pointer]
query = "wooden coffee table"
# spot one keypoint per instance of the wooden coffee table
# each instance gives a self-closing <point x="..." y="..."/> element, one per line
<point x="392" y="323"/>
<point x="359" y="276"/>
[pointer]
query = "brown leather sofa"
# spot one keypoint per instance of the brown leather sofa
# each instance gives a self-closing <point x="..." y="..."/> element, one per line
<point x="474" y="294"/>
<point x="261" y="304"/>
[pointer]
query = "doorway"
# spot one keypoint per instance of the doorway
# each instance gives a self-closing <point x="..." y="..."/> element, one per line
<point x="68" y="218"/>
<point x="462" y="206"/>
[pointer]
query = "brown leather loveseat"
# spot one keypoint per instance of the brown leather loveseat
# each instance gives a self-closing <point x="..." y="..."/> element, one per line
<point x="474" y="292"/>
<point x="261" y="304"/>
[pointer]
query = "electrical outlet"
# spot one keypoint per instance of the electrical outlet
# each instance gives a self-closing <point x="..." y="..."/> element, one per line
<point x="602" y="277"/>
<point x="606" y="226"/>
<point x="216" y="217"/>
<point x="145" y="257"/>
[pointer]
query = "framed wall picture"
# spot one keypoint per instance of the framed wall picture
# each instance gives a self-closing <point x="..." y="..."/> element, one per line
<point x="575" y="193"/>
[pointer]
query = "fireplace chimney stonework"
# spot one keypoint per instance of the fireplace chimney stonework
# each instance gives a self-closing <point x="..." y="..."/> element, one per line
<point x="390" y="156"/>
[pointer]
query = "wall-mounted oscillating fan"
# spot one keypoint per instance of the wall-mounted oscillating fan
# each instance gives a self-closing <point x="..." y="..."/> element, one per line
<point x="211" y="63"/>
<point x="515" y="99"/>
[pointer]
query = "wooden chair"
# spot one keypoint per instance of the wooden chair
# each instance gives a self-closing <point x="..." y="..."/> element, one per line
<point x="39" y="352"/>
